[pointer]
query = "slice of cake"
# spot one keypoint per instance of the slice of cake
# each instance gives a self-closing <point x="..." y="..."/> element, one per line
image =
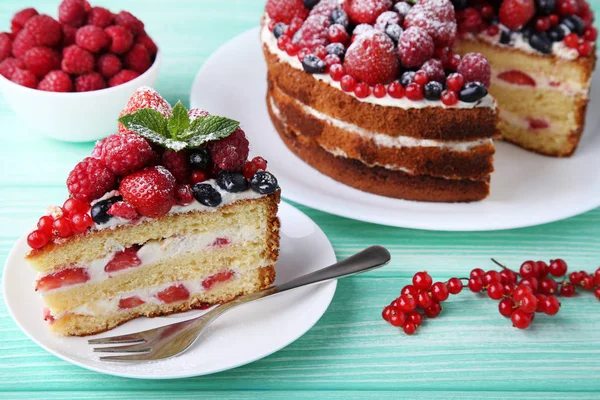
<point x="165" y="216"/>
<point x="542" y="55"/>
<point x="368" y="92"/>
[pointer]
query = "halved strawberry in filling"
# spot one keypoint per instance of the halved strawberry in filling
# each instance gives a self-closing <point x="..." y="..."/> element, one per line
<point x="65" y="277"/>
<point x="221" y="241"/>
<point x="517" y="78"/>
<point x="173" y="293"/>
<point x="48" y="317"/>
<point x="212" y="280"/>
<point x="124" y="259"/>
<point x="130" y="302"/>
<point x="538" y="123"/>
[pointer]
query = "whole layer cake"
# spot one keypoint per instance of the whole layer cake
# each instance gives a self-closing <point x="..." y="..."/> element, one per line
<point x="542" y="55"/>
<point x="368" y="93"/>
<point x="175" y="220"/>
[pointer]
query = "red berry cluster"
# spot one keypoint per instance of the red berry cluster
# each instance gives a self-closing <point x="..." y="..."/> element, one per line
<point x="521" y="295"/>
<point x="421" y="299"/>
<point x="88" y="48"/>
<point x="372" y="47"/>
<point x="72" y="217"/>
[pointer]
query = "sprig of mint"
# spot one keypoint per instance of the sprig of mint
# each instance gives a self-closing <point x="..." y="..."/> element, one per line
<point x="178" y="132"/>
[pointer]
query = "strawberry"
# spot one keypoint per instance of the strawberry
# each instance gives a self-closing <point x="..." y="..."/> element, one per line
<point x="371" y="58"/>
<point x="517" y="78"/>
<point x="219" y="277"/>
<point x="151" y="191"/>
<point x="285" y="10"/>
<point x="173" y="293"/>
<point x="124" y="259"/>
<point x="514" y="14"/>
<point x="366" y="11"/>
<point x="122" y="209"/>
<point x="145" y="97"/>
<point x="130" y="302"/>
<point x="65" y="277"/>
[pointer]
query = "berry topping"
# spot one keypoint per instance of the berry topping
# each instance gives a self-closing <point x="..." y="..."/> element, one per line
<point x="177" y="163"/>
<point x="436" y="17"/>
<point x="77" y="60"/>
<point x="126" y="153"/>
<point x="123" y="259"/>
<point x="90" y="179"/>
<point x="313" y="64"/>
<point x="199" y="159"/>
<point x="206" y="194"/>
<point x="386" y="18"/>
<point x="433" y="90"/>
<point x="184" y="194"/>
<point x="415" y="47"/>
<point x="65" y="277"/>
<point x="219" y="277"/>
<point x="145" y="97"/>
<point x="89" y="82"/>
<point x="264" y="182"/>
<point x="38" y="239"/>
<point x="472" y="92"/>
<point x="514" y="14"/>
<point x="474" y="67"/>
<point x="130" y="302"/>
<point x="339" y="17"/>
<point x="122" y="209"/>
<point x="434" y="70"/>
<point x="232" y="182"/>
<point x="324" y="7"/>
<point x="151" y="191"/>
<point x="285" y="10"/>
<point x="173" y="294"/>
<point x="314" y="32"/>
<point x="100" y="209"/>
<point x="517" y="78"/>
<point x="366" y="11"/>
<point x="231" y="152"/>
<point x="371" y="58"/>
<point x="108" y="65"/>
<point x="120" y="39"/>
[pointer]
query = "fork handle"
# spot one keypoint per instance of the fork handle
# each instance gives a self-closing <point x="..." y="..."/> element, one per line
<point x="370" y="258"/>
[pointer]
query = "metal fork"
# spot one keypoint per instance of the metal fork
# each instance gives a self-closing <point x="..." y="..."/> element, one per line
<point x="171" y="340"/>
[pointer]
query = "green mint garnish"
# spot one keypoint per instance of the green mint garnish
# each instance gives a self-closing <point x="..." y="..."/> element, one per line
<point x="178" y="132"/>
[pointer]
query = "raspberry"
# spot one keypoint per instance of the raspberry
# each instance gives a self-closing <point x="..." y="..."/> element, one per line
<point x="514" y="14"/>
<point x="41" y="60"/>
<point x="69" y="34"/>
<point x="126" y="153"/>
<point x="386" y="18"/>
<point x="371" y="58"/>
<point x="469" y="20"/>
<point x="108" y="65"/>
<point x="128" y="21"/>
<point x="72" y="12"/>
<point x="22" y="42"/>
<point x="24" y="78"/>
<point x="145" y="97"/>
<point x="77" y="60"/>
<point x="415" y="47"/>
<point x="184" y="194"/>
<point x="434" y="70"/>
<point x="324" y="7"/>
<point x="98" y="149"/>
<point x="122" y="209"/>
<point x="92" y="38"/>
<point x="99" y="16"/>
<point x="43" y="30"/>
<point x="196" y="113"/>
<point x="313" y="32"/>
<point x="474" y="67"/>
<point x="122" y="77"/>
<point x="151" y="191"/>
<point x="137" y="59"/>
<point x="366" y="11"/>
<point x="176" y="163"/>
<point x="5" y="46"/>
<point x="437" y="18"/>
<point x="56" y="81"/>
<point x="90" y="179"/>
<point x="89" y="82"/>
<point x="285" y="10"/>
<point x="121" y="39"/>
<point x="9" y="66"/>
<point x="148" y="43"/>
<point x="20" y="19"/>
<point x="231" y="152"/>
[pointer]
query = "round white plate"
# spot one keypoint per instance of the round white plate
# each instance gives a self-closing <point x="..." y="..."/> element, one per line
<point x="527" y="189"/>
<point x="243" y="335"/>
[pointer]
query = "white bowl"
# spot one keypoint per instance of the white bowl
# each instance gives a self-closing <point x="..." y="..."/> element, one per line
<point x="75" y="117"/>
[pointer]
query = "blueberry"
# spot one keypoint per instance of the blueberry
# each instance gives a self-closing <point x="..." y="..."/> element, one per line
<point x="433" y="90"/>
<point x="264" y="182"/>
<point x="232" y="182"/>
<point x="402" y="8"/>
<point x="460" y="4"/>
<point x="407" y="78"/>
<point x="545" y="7"/>
<point x="337" y="49"/>
<point x="556" y="34"/>
<point x="472" y="92"/>
<point x="310" y="3"/>
<point x="206" y="194"/>
<point x="279" y="29"/>
<point x="313" y="64"/>
<point x="526" y="31"/>
<point x="199" y="159"/>
<point x="540" y="42"/>
<point x="393" y="31"/>
<point x="506" y="36"/>
<point x="339" y="16"/>
<point x="99" y="210"/>
<point x="574" y="24"/>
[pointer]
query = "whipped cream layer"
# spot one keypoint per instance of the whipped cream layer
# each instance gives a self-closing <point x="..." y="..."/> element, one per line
<point x="269" y="40"/>
<point x="567" y="88"/>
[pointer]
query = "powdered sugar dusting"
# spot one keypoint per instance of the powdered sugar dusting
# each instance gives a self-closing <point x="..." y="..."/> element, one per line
<point x="325" y="7"/>
<point x="436" y="17"/>
<point x="388" y="17"/>
<point x="313" y="32"/>
<point x="146" y="97"/>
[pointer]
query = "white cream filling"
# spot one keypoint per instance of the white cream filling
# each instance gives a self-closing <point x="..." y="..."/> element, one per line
<point x="568" y="87"/>
<point x="268" y="38"/>
<point x="523" y="122"/>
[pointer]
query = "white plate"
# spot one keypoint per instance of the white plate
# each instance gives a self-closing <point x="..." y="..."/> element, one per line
<point x="243" y="335"/>
<point x="527" y="189"/>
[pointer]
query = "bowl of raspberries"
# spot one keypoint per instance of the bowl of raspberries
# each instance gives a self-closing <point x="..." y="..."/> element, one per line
<point x="76" y="71"/>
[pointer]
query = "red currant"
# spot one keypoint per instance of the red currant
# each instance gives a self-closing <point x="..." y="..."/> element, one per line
<point x="571" y="40"/>
<point x="424" y="299"/>
<point x="184" y="194"/>
<point x="439" y="292"/>
<point x="45" y="224"/>
<point x="455" y="285"/>
<point x="541" y="303"/>
<point x="493" y="30"/>
<point x="422" y="280"/>
<point x="62" y="227"/>
<point x="542" y="269"/>
<point x="347" y="83"/>
<point x="509" y="288"/>
<point x="597" y="292"/>
<point x="554" y="19"/>
<point x="337" y="34"/>
<point x="387" y="313"/>
<point x="520" y="319"/>
<point x="415" y="317"/>
<point x="406" y="303"/>
<point x="260" y="163"/>
<point x="567" y="7"/>
<point x="331" y="60"/>
<point x="588" y="282"/>
<point x="487" y="12"/>
<point x="396" y="90"/>
<point x="491" y="277"/>
<point x="542" y="24"/>
<point x="37" y="239"/>
<point x="379" y="91"/>
<point x="410" y="290"/>
<point x="449" y="98"/>
<point x="414" y="91"/>
<point x="567" y="289"/>
<point x="477" y="273"/>
<point x="505" y="306"/>
<point x="575" y="278"/>
<point x="528" y="303"/>
<point x="585" y="48"/>
<point x="557" y="267"/>
<point x="198" y="176"/>
<point x="528" y="269"/>
<point x="303" y="53"/>
<point x="362" y="90"/>
<point x="397" y="318"/>
<point x="421" y="78"/>
<point x="590" y="34"/>
<point x="495" y="290"/>
<point x="292" y="49"/>
<point x="475" y="284"/>
<point x="548" y="286"/>
<point x="81" y="222"/>
<point x="433" y="310"/>
<point x="249" y="170"/>
<point x="521" y="291"/>
<point x="74" y="206"/>
<point x="410" y="328"/>
<point x="597" y="276"/>
<point x="551" y="305"/>
<point x="282" y="41"/>
<point x="336" y="72"/>
<point x="531" y="282"/>
<point x="508" y="276"/>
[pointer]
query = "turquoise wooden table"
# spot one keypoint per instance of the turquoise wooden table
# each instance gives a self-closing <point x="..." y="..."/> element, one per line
<point x="469" y="352"/>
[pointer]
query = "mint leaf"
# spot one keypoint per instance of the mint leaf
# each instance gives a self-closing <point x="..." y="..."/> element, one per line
<point x="207" y="128"/>
<point x="179" y="122"/>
